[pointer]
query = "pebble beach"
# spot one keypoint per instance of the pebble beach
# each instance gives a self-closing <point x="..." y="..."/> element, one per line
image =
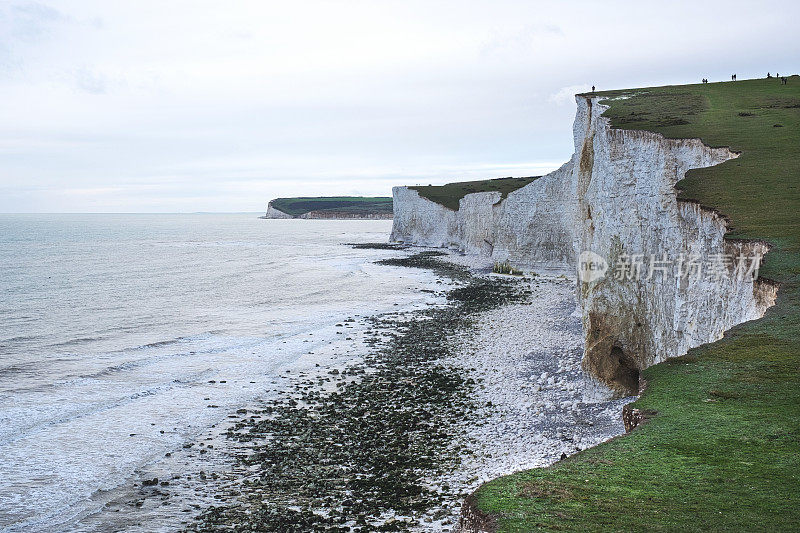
<point x="483" y="381"/>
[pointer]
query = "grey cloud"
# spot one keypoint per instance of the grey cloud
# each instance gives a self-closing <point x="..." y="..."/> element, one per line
<point x="128" y="106"/>
<point x="522" y="40"/>
<point x="90" y="81"/>
<point x="23" y="24"/>
<point x="30" y="20"/>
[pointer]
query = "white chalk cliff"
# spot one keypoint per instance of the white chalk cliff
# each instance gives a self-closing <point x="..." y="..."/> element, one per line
<point x="616" y="197"/>
<point x="275" y="213"/>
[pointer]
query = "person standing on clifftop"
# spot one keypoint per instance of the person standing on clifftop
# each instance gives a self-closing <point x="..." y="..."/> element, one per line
<point x="592" y="88"/>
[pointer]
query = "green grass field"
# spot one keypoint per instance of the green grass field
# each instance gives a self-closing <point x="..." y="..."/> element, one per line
<point x="450" y="194"/>
<point x="722" y="452"/>
<point x="349" y="204"/>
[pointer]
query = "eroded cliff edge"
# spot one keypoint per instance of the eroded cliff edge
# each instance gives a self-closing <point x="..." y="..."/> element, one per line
<point x="616" y="198"/>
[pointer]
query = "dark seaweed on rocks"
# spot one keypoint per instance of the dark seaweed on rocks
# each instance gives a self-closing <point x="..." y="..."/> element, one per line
<point x="366" y="456"/>
<point x="428" y="260"/>
<point x="377" y="246"/>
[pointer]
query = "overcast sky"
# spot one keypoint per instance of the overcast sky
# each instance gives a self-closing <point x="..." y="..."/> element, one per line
<point x="181" y="106"/>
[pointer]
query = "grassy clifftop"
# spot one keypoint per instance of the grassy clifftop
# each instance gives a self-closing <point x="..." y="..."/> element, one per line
<point x="342" y="204"/>
<point x="722" y="451"/>
<point x="450" y="194"/>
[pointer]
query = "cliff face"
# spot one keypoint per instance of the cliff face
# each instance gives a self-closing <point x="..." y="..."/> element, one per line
<point x="628" y="211"/>
<point x="275" y="213"/>
<point x="672" y="281"/>
<point x="531" y="227"/>
<point x="419" y="221"/>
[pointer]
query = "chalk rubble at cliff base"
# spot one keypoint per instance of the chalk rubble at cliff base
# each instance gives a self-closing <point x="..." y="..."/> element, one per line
<point x="536" y="403"/>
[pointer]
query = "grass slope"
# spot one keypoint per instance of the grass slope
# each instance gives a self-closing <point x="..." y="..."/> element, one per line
<point x="350" y="204"/>
<point x="450" y="194"/>
<point x="723" y="451"/>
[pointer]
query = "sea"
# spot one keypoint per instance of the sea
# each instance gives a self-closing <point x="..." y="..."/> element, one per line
<point x="125" y="336"/>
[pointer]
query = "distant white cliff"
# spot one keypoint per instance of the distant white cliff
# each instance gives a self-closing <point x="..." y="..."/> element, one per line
<point x="276" y="213"/>
<point x="341" y="213"/>
<point x="616" y="198"/>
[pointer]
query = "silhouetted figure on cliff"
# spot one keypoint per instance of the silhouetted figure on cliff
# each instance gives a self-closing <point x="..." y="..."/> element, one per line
<point x="733" y="77"/>
<point x="592" y="88"/>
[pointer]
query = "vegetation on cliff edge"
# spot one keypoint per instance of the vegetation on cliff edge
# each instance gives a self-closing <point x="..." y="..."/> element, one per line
<point x="349" y="204"/>
<point x="450" y="194"/>
<point x="722" y="451"/>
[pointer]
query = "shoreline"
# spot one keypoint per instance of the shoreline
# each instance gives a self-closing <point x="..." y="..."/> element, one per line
<point x="123" y="501"/>
<point x="450" y="396"/>
<point x="367" y="454"/>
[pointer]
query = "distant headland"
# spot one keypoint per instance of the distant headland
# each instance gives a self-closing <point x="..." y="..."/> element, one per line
<point x="331" y="207"/>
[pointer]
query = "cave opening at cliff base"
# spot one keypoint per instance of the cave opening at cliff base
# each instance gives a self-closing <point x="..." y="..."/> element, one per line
<point x="625" y="370"/>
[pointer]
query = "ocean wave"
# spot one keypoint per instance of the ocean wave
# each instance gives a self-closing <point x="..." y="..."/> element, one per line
<point x="76" y="341"/>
